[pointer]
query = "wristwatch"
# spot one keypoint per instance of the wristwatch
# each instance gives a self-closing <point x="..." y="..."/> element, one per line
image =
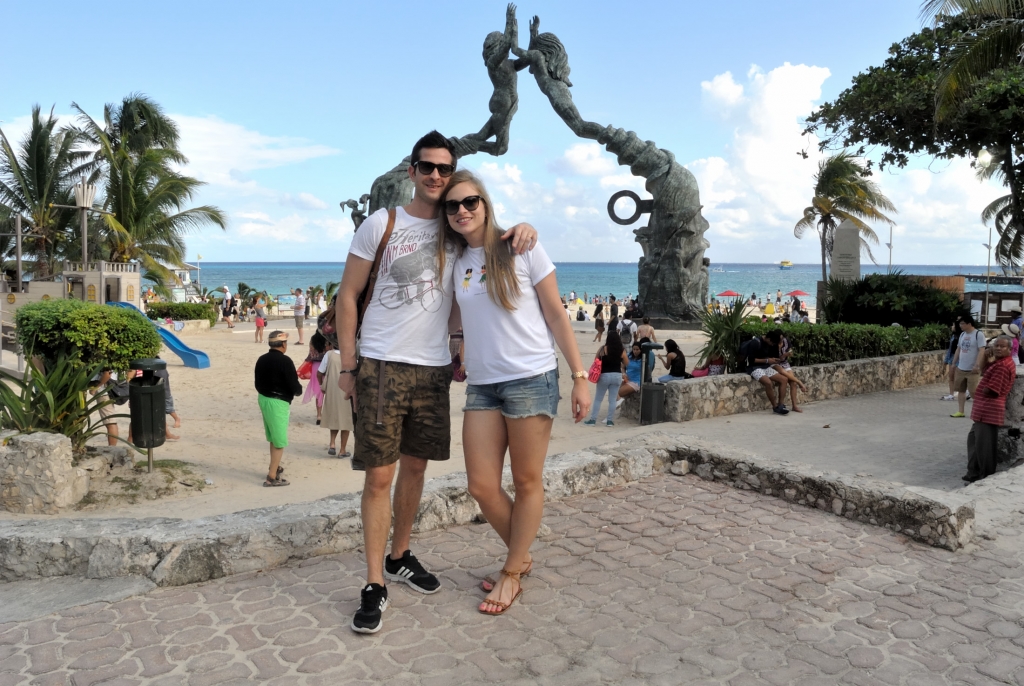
<point x="579" y="375"/>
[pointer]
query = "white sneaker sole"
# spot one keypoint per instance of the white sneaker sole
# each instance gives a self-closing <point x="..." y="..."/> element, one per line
<point x="396" y="577"/>
<point x="380" y="624"/>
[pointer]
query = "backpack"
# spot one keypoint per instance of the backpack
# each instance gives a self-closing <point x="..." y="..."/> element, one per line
<point x="626" y="333"/>
<point x="580" y="317"/>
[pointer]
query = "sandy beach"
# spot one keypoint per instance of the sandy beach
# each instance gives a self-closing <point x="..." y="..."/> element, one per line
<point x="222" y="432"/>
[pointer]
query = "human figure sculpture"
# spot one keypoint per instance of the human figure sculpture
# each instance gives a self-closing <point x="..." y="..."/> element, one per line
<point x="358" y="209"/>
<point x="673" y="275"/>
<point x="504" y="76"/>
<point x="394" y="188"/>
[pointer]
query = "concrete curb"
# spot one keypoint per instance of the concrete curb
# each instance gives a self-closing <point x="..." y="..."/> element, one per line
<point x="174" y="552"/>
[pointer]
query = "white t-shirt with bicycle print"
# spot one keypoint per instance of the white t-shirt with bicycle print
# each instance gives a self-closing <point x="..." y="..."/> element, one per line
<point x="407" y="318"/>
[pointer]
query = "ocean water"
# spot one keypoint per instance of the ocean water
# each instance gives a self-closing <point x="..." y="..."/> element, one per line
<point x="616" y="278"/>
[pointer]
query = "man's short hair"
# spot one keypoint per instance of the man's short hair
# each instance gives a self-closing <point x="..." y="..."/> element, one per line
<point x="969" y="319"/>
<point x="276" y="339"/>
<point x="432" y="140"/>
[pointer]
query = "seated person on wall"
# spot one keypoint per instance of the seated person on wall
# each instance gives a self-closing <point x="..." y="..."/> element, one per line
<point x="631" y="377"/>
<point x="757" y="355"/>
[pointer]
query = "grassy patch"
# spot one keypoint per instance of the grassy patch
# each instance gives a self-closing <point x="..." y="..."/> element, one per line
<point x="172" y="465"/>
<point x="127" y="485"/>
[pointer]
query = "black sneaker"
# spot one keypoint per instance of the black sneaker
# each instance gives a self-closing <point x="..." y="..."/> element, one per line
<point x="358" y="465"/>
<point x="373" y="602"/>
<point x="780" y="409"/>
<point x="408" y="569"/>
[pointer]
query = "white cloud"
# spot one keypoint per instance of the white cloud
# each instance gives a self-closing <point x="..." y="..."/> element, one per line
<point x="303" y="201"/>
<point x="586" y="159"/>
<point x="291" y="229"/>
<point x="756" y="190"/>
<point x="722" y="92"/>
<point x="221" y="153"/>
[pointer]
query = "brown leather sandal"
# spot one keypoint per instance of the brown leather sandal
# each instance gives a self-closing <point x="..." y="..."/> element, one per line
<point x="503" y="606"/>
<point x="487" y="585"/>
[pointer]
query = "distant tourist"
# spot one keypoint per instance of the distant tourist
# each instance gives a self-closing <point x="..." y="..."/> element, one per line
<point x="299" y="311"/>
<point x="645" y="330"/>
<point x="1013" y="331"/>
<point x="405" y="361"/>
<point x="758" y="358"/>
<point x="337" y="410"/>
<point x="674" y="361"/>
<point x="226" y="308"/>
<point x="314" y="390"/>
<point x="778" y="297"/>
<point x="633" y="374"/>
<point x="614" y="307"/>
<point x="786" y="369"/>
<point x="277" y="384"/>
<point x="260" y="308"/>
<point x="989" y="409"/>
<point x="613" y="362"/>
<point x="100" y="386"/>
<point x="967" y="361"/>
<point x="168" y="403"/>
<point x="950" y="368"/>
<point x="627" y="331"/>
<point x="1018" y="321"/>
<point x="599" y="322"/>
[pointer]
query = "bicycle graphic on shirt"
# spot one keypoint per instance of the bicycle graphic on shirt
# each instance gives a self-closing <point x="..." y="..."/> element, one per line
<point x="425" y="292"/>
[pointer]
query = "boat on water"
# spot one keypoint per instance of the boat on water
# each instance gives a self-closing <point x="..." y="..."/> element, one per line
<point x="717" y="270"/>
<point x="785" y="264"/>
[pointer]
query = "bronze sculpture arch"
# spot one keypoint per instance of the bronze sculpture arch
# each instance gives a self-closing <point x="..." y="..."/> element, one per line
<point x="673" y="272"/>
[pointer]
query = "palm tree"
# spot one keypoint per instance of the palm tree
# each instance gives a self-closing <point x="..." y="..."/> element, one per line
<point x="145" y="196"/>
<point x="332" y="289"/>
<point x="996" y="42"/>
<point x="842" y="192"/>
<point x="41" y="172"/>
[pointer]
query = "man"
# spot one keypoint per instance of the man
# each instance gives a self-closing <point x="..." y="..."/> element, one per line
<point x="401" y="384"/>
<point x="277" y="384"/>
<point x="778" y="297"/>
<point x="967" y="362"/>
<point x="614" y="306"/>
<point x="299" y="310"/>
<point x="645" y="330"/>
<point x="760" y="353"/>
<point x="989" y="410"/>
<point x="627" y="331"/>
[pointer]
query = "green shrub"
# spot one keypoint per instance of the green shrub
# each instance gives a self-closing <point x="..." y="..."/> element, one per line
<point x="886" y="299"/>
<point x="822" y="343"/>
<point x="182" y="311"/>
<point x="96" y="334"/>
<point x="57" y="401"/>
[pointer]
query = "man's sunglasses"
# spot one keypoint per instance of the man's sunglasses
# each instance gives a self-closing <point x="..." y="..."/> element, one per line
<point x="470" y="202"/>
<point x="427" y="168"/>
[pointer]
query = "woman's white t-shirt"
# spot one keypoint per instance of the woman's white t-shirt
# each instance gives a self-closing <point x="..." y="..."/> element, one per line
<point x="503" y="345"/>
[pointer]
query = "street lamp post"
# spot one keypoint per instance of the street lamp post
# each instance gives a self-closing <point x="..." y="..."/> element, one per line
<point x="85" y="193"/>
<point x="889" y="245"/>
<point x="988" y="270"/>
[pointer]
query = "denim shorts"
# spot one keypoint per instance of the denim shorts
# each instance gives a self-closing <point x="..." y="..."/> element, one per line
<point x="519" y="398"/>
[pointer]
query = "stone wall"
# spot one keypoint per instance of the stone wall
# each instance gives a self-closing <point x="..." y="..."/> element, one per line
<point x="37" y="475"/>
<point x="715" y="396"/>
<point x="191" y="326"/>
<point x="174" y="552"/>
<point x="938" y="518"/>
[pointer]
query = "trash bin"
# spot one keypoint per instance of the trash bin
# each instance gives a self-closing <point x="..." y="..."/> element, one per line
<point x="652" y="403"/>
<point x="147" y="404"/>
<point x="649" y="365"/>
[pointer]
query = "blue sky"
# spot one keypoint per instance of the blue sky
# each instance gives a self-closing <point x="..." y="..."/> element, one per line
<point x="288" y="109"/>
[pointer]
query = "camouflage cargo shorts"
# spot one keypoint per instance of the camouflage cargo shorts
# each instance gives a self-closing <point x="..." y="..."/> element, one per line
<point x="413" y="419"/>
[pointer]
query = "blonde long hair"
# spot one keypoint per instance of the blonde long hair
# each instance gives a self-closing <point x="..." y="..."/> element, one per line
<point x="502" y="282"/>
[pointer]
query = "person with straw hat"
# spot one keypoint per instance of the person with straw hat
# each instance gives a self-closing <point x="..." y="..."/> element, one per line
<point x="1013" y="331"/>
<point x="277" y="384"/>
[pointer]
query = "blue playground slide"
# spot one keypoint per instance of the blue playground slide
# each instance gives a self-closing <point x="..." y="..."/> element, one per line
<point x="196" y="359"/>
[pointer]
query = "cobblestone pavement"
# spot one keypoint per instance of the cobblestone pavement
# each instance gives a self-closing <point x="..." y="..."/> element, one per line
<point x="670" y="580"/>
<point x="905" y="436"/>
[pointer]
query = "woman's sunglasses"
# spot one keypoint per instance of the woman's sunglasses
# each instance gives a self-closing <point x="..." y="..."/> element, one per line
<point x="427" y="168"/>
<point x="470" y="202"/>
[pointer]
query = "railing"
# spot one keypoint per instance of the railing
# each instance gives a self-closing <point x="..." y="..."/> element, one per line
<point x="101" y="266"/>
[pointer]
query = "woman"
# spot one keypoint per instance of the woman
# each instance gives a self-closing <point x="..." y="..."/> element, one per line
<point x="511" y="319"/>
<point x="260" y="306"/>
<point x="613" y="361"/>
<point x="634" y="370"/>
<point x="784" y="368"/>
<point x="337" y="409"/>
<point x="954" y="340"/>
<point x="599" y="322"/>
<point x="674" y="361"/>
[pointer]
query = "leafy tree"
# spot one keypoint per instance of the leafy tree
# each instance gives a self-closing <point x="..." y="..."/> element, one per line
<point x="332" y="290"/>
<point x="843" y="192"/>
<point x="37" y="174"/>
<point x="146" y="197"/>
<point x="892" y="108"/>
<point x="994" y="42"/>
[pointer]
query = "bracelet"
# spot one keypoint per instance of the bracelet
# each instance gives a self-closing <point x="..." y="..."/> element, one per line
<point x="579" y="375"/>
<point x="349" y="371"/>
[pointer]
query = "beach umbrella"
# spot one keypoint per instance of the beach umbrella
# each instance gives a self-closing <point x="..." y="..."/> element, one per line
<point x="728" y="294"/>
<point x="799" y="294"/>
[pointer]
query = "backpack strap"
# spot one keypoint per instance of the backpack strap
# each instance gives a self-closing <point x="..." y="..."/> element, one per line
<point x="375" y="270"/>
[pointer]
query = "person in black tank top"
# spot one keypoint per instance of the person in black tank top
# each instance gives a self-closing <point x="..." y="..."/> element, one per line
<point x="613" y="361"/>
<point x="674" y="361"/>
